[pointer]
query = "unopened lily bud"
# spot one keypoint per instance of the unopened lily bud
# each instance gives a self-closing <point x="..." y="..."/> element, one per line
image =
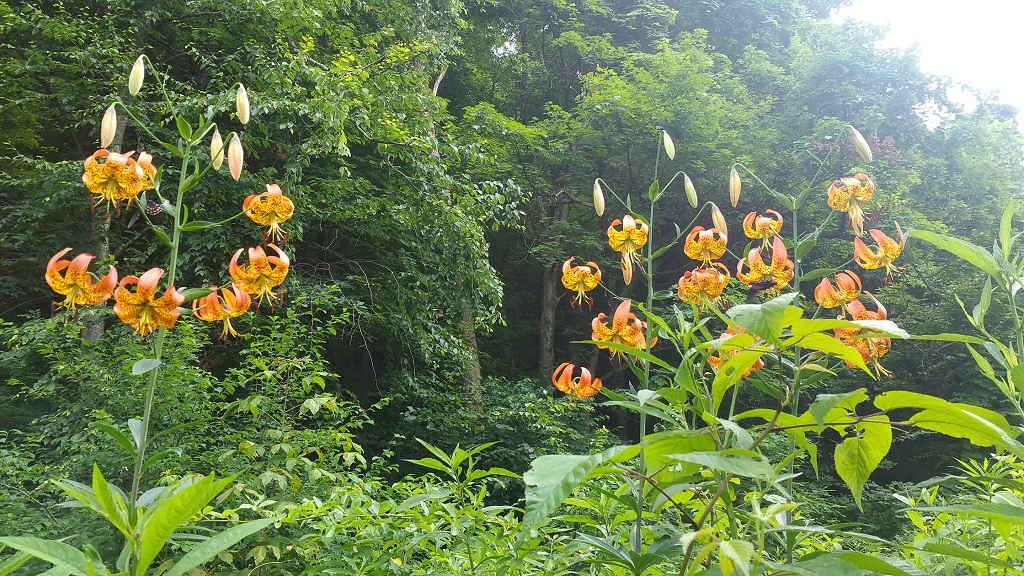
<point x="860" y="145"/>
<point x="216" y="149"/>
<point x="734" y="187"/>
<point x="242" y="104"/>
<point x="691" y="192"/>
<point x="235" y="157"/>
<point x="137" y="75"/>
<point x="670" y="147"/>
<point x="718" y="219"/>
<point x="108" y="126"/>
<point x="598" y="197"/>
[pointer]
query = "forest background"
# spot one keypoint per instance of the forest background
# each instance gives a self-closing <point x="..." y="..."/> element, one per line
<point x="442" y="156"/>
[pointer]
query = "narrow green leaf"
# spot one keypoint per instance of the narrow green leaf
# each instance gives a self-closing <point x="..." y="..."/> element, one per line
<point x="859" y="455"/>
<point x="115" y="509"/>
<point x="820" y="566"/>
<point x="974" y="255"/>
<point x="162" y="236"/>
<point x="1005" y="228"/>
<point x="978" y="314"/>
<point x="879" y="564"/>
<point x="210" y="548"/>
<point x="56" y="553"/>
<point x="804" y="246"/>
<point x="198" y="225"/>
<point x="948" y="337"/>
<point x="117" y="436"/>
<point x="1017" y="377"/>
<point x="13" y="563"/>
<point x="964" y="554"/>
<point x="553" y="477"/>
<point x="949" y="418"/>
<point x="145" y="365"/>
<point x="652" y="191"/>
<point x="641" y="354"/>
<point x="817" y="274"/>
<point x="184" y="128"/>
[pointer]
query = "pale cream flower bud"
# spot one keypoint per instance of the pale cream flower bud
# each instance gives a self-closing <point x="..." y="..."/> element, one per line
<point x="734" y="187"/>
<point x="598" y="197"/>
<point x="670" y="147"/>
<point x="235" y="157"/>
<point x="242" y="104"/>
<point x="719" y="220"/>
<point x="108" y="127"/>
<point x="860" y="145"/>
<point x="216" y="149"/>
<point x="137" y="75"/>
<point x="691" y="192"/>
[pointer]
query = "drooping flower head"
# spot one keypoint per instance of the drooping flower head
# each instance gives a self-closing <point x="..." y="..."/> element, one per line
<point x="141" y="309"/>
<point x="776" y="276"/>
<point x="870" y="349"/>
<point x="723" y="356"/>
<point x="114" y="177"/>
<point x="850" y="195"/>
<point x="763" y="227"/>
<point x="629" y="240"/>
<point x="230" y="303"/>
<point x="271" y="208"/>
<point x="705" y="245"/>
<point x="77" y="284"/>
<point x="582" y="387"/>
<point x="848" y="287"/>
<point x="703" y="284"/>
<point x="263" y="273"/>
<point x="887" y="251"/>
<point x="580" y="279"/>
<point x="626" y="329"/>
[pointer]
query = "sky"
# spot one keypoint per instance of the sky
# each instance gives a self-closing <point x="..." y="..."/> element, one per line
<point x="977" y="42"/>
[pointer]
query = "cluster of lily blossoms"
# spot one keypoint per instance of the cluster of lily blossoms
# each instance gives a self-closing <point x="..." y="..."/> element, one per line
<point x="112" y="178"/>
<point x="704" y="284"/>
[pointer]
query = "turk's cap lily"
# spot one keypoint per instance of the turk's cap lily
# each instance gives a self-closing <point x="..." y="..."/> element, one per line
<point x="114" y="177"/>
<point x="887" y="251"/>
<point x="583" y="386"/>
<point x="229" y="303"/>
<point x="703" y="284"/>
<point x="850" y="195"/>
<point x="705" y="244"/>
<point x="777" y="274"/>
<point x="628" y="240"/>
<point x="271" y="208"/>
<point x="626" y="329"/>
<point x="847" y="289"/>
<point x="762" y="226"/>
<point x="140" y="308"/>
<point x="580" y="279"/>
<point x="262" y="274"/>
<point x="73" y="280"/>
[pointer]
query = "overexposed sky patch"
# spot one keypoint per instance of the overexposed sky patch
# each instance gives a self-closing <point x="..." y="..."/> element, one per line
<point x="977" y="42"/>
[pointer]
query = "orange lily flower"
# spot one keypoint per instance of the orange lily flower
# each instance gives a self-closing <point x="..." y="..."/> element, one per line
<point x="705" y="245"/>
<point x="119" y="176"/>
<point x="262" y="274"/>
<point x="703" y="284"/>
<point x="778" y="274"/>
<point x="628" y="241"/>
<point x="870" y="349"/>
<point x="850" y="195"/>
<point x="626" y="329"/>
<point x="580" y="279"/>
<point x="271" y="208"/>
<point x="888" y="250"/>
<point x="140" y="309"/>
<point x="79" y="287"/>
<point x="717" y="360"/>
<point x="763" y="227"/>
<point x="231" y="303"/>
<point x="582" y="387"/>
<point x="849" y="289"/>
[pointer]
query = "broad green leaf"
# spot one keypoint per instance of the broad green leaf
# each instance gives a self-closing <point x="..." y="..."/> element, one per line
<point x="949" y="418"/>
<point x="804" y="246"/>
<point x="885" y="328"/>
<point x="983" y="364"/>
<point x="732" y="461"/>
<point x="948" y="337"/>
<point x="978" y="314"/>
<point x="13" y="563"/>
<point x="210" y="548"/>
<point x="879" y="564"/>
<point x="735" y="556"/>
<point x="730" y="372"/>
<point x="820" y="566"/>
<point x="987" y="510"/>
<point x="184" y="128"/>
<point x="975" y="255"/>
<point x="765" y="320"/>
<point x="145" y="365"/>
<point x="964" y="553"/>
<point x="1017" y="377"/>
<point x="163" y="519"/>
<point x="824" y="404"/>
<point x="643" y="355"/>
<point x="57" y="553"/>
<point x="859" y="455"/>
<point x="658" y="449"/>
<point x="115" y="509"/>
<point x="805" y="326"/>
<point x="829" y="345"/>
<point x="552" y="478"/>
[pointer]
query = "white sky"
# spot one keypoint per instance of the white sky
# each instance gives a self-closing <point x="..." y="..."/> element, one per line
<point x="977" y="42"/>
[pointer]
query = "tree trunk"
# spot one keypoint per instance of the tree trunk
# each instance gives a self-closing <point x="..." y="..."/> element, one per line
<point x="471" y="372"/>
<point x="548" y="306"/>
